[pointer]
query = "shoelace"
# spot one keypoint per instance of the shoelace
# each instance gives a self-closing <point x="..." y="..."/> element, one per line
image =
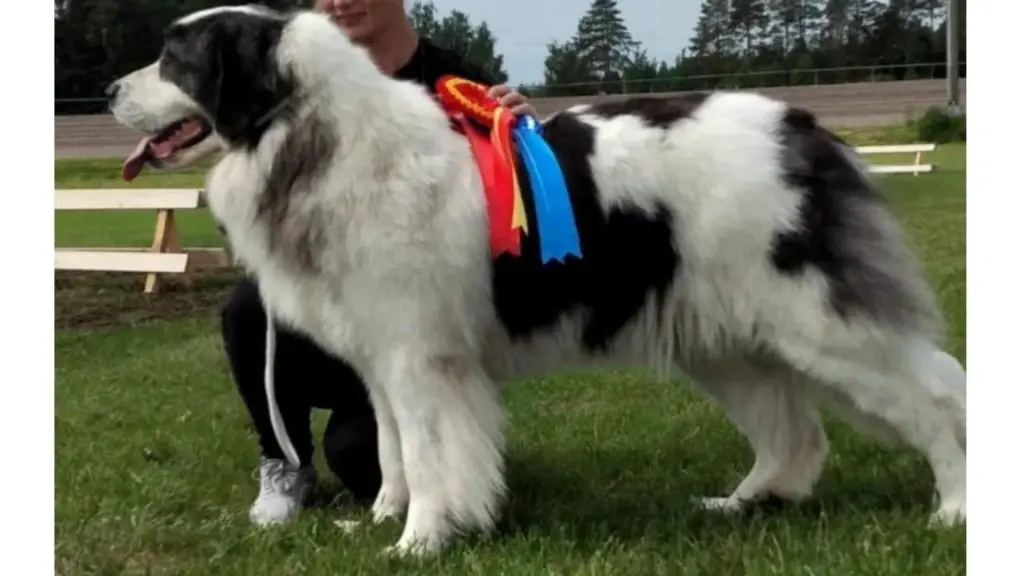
<point x="275" y="476"/>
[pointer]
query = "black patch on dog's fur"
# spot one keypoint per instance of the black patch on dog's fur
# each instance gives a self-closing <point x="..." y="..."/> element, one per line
<point x="841" y="230"/>
<point x="814" y="165"/>
<point x="225" y="63"/>
<point x="656" y="112"/>
<point x="628" y="254"/>
<point x="302" y="159"/>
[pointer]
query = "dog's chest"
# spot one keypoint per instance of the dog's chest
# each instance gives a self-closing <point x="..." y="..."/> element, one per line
<point x="308" y="305"/>
<point x="281" y="250"/>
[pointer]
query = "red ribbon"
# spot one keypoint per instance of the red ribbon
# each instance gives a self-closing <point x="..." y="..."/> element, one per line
<point x="465" y="101"/>
<point x="498" y="189"/>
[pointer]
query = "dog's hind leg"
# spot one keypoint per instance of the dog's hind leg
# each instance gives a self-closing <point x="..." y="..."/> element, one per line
<point x="451" y="425"/>
<point x="767" y="402"/>
<point x="909" y="385"/>
<point x="951" y="377"/>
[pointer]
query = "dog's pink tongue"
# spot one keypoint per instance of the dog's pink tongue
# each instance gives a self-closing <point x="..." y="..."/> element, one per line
<point x="135" y="161"/>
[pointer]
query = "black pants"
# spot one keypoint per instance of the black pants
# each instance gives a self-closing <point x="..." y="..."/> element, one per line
<point x="305" y="377"/>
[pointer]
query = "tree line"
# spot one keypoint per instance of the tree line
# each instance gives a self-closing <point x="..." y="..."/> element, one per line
<point x="99" y="40"/>
<point x="753" y="43"/>
<point x="735" y="43"/>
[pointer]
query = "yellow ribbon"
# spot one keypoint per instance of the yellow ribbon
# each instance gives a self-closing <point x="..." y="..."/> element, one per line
<point x="504" y="147"/>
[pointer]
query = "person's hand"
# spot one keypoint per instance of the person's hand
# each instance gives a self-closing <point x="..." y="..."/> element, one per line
<point x="509" y="98"/>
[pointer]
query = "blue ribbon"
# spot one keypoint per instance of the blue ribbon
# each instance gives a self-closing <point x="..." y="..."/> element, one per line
<point x="556" y="224"/>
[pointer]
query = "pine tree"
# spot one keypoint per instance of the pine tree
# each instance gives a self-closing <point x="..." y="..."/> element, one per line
<point x="565" y="72"/>
<point x="424" y="18"/>
<point x="793" y="23"/>
<point x="785" y="17"/>
<point x="603" y="40"/>
<point x="749" y="18"/>
<point x="457" y="33"/>
<point x="931" y="12"/>
<point x="482" y="52"/>
<point x="836" y="26"/>
<point x="639" y="71"/>
<point x="712" y="35"/>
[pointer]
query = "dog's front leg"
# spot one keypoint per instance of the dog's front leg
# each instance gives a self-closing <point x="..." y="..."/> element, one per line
<point x="393" y="496"/>
<point x="450" y="426"/>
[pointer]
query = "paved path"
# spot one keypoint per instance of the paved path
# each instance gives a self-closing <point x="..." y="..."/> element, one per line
<point x="859" y="104"/>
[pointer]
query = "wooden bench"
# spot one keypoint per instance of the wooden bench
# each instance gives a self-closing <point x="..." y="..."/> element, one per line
<point x="916" y="149"/>
<point x="164" y="256"/>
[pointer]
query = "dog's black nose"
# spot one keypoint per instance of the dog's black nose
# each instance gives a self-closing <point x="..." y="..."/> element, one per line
<point x="112" y="90"/>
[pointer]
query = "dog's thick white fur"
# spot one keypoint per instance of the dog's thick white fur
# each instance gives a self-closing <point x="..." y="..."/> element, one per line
<point x="396" y="278"/>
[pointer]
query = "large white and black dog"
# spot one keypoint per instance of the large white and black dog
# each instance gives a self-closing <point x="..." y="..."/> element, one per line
<point x="726" y="236"/>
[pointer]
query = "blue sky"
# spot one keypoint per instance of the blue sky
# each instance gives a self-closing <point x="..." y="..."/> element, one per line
<point x="524" y="27"/>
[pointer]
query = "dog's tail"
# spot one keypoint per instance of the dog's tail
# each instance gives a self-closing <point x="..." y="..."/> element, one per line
<point x="276" y="419"/>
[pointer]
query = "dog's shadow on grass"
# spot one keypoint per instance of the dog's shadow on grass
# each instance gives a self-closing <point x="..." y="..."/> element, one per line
<point x="630" y="493"/>
<point x="626" y="494"/>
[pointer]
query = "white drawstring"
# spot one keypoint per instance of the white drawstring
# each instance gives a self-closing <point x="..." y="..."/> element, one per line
<point x="276" y="420"/>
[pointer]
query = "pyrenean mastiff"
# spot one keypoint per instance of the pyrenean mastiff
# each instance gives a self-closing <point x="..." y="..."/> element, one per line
<point x="727" y="236"/>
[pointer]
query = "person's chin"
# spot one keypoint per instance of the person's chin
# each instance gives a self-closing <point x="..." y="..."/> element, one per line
<point x="358" y="34"/>
<point x="357" y="30"/>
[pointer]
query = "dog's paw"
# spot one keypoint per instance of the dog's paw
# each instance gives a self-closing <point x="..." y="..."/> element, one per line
<point x="413" y="548"/>
<point x="389" y="504"/>
<point x="949" y="514"/>
<point x="725" y="505"/>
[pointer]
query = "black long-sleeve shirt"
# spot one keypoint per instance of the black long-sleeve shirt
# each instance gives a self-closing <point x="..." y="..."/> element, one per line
<point x="430" y="62"/>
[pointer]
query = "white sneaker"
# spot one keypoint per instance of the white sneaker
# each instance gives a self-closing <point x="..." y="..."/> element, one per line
<point x="283" y="491"/>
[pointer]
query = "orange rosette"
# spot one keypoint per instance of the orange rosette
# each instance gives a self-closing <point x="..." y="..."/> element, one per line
<point x="468" y="103"/>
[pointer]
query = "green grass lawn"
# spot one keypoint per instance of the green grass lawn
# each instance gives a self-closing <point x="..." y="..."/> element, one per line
<point x="154" y="454"/>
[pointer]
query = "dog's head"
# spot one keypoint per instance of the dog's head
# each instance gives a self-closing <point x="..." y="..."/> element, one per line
<point x="218" y="84"/>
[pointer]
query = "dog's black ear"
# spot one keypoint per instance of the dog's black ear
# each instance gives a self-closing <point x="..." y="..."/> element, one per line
<point x="228" y="65"/>
<point x="250" y="88"/>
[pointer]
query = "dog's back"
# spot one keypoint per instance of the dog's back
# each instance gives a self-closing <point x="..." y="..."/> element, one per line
<point x="702" y="219"/>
